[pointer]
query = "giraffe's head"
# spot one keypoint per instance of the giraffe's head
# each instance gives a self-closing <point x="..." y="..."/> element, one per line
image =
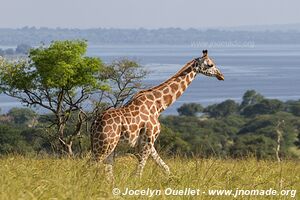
<point x="206" y="66"/>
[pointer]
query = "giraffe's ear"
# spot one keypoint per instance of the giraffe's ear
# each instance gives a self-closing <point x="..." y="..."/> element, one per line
<point x="204" y="53"/>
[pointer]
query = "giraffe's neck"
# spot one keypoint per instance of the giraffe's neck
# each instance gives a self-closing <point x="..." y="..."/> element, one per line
<point x="174" y="87"/>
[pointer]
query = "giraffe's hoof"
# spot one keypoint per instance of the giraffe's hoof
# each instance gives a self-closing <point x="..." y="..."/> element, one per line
<point x="173" y="178"/>
<point x="168" y="173"/>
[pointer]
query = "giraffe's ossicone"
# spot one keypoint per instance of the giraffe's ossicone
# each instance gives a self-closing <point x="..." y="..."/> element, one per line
<point x="137" y="122"/>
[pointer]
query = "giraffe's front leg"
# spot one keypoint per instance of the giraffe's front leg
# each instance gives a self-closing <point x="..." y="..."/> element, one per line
<point x="160" y="161"/>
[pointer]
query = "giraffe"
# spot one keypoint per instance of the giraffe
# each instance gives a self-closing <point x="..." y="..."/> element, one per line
<point x="137" y="121"/>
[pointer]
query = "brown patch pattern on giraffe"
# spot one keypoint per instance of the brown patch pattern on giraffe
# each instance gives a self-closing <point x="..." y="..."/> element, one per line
<point x="174" y="87"/>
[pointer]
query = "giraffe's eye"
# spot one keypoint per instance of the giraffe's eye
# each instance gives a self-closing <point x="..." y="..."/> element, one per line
<point x="210" y="65"/>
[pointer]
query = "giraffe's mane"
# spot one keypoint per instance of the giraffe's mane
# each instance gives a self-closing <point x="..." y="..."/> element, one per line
<point x="179" y="73"/>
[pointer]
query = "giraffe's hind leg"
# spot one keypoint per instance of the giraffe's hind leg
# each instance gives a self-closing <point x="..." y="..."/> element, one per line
<point x="144" y="150"/>
<point x="109" y="162"/>
<point x="160" y="161"/>
<point x="154" y="153"/>
<point x="103" y="152"/>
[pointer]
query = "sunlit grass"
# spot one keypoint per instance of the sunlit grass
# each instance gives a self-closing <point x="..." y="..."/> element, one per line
<point x="53" y="178"/>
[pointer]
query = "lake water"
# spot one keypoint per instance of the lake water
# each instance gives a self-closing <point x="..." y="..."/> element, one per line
<point x="272" y="70"/>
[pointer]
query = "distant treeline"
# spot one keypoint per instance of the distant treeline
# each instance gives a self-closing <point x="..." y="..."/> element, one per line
<point x="36" y="36"/>
<point x="21" y="49"/>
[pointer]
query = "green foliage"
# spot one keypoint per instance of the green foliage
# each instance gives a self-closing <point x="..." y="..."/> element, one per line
<point x="21" y="115"/>
<point x="205" y="137"/>
<point x="250" y="97"/>
<point x="171" y="143"/>
<point x="293" y="107"/>
<point x="223" y="109"/>
<point x="266" y="125"/>
<point x="11" y="141"/>
<point x="259" y="146"/>
<point x="15" y="76"/>
<point x="298" y="140"/>
<point x="228" y="133"/>
<point x="190" y="109"/>
<point x="63" y="65"/>
<point x="37" y="139"/>
<point x="266" y="106"/>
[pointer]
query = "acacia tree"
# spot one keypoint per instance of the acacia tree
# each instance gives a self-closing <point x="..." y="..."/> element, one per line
<point x="250" y="98"/>
<point x="22" y="115"/>
<point x="222" y="109"/>
<point x="125" y="78"/>
<point x="59" y="78"/>
<point x="190" y="109"/>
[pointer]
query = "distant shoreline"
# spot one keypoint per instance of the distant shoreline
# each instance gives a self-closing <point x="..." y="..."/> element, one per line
<point x="36" y="36"/>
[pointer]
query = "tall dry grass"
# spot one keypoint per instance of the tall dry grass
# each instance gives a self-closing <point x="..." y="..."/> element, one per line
<point x="53" y="178"/>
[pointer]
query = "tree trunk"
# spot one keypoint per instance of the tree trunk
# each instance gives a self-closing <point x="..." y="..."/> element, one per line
<point x="66" y="146"/>
<point x="278" y="145"/>
<point x="69" y="149"/>
<point x="279" y="137"/>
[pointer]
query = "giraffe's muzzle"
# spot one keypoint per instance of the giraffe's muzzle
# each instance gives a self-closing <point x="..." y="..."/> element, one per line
<point x="220" y="76"/>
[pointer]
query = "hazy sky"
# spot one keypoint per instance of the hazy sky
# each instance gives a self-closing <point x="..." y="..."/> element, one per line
<point x="147" y="14"/>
